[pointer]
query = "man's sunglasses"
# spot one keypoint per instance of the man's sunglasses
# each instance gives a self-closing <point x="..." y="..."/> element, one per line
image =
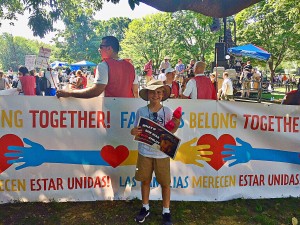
<point x="102" y="46"/>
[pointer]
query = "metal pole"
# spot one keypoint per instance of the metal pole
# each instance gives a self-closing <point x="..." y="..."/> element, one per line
<point x="225" y="36"/>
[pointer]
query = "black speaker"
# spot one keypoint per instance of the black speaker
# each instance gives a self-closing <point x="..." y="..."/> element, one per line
<point x="222" y="63"/>
<point x="219" y="51"/>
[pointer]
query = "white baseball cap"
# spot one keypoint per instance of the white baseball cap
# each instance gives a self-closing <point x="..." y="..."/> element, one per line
<point x="169" y="70"/>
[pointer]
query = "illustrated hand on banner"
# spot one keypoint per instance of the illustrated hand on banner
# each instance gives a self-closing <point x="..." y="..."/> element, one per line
<point x="36" y="155"/>
<point x="245" y="152"/>
<point x="186" y="154"/>
<point x="189" y="154"/>
<point x="29" y="156"/>
<point x="241" y="154"/>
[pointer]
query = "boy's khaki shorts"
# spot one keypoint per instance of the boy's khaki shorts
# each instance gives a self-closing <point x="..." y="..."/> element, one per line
<point x="145" y="167"/>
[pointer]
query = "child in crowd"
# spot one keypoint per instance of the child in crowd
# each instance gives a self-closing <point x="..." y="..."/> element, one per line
<point x="151" y="159"/>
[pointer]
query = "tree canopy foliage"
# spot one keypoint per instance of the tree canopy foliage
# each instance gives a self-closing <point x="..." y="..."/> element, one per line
<point x="80" y="40"/>
<point x="43" y="13"/>
<point x="274" y="26"/>
<point x="183" y="35"/>
<point x="14" y="49"/>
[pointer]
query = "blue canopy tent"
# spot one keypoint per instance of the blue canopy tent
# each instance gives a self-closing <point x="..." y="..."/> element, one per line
<point x="56" y="64"/>
<point x="76" y="66"/>
<point x="250" y="50"/>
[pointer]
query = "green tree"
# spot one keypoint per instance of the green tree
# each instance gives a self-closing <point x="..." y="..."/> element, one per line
<point x="183" y="35"/>
<point x="43" y="13"/>
<point x="80" y="40"/>
<point x="147" y="38"/>
<point x="192" y="37"/>
<point x="269" y="26"/>
<point x="14" y="49"/>
<point x="115" y="27"/>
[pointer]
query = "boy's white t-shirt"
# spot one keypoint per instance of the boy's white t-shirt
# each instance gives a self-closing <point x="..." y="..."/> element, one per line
<point x="164" y="115"/>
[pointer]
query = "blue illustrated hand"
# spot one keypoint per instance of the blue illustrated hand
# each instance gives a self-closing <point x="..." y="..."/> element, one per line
<point x="29" y="156"/>
<point x="241" y="154"/>
<point x="36" y="155"/>
<point x="245" y="152"/>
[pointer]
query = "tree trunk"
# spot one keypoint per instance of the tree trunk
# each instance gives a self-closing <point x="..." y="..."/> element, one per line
<point x="212" y="8"/>
<point x="272" y="69"/>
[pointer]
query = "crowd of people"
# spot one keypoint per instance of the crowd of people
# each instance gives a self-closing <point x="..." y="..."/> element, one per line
<point x="115" y="77"/>
<point x="42" y="83"/>
<point x="191" y="81"/>
<point x="283" y="79"/>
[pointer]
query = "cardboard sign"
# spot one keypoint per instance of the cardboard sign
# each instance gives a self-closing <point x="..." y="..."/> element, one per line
<point x="157" y="137"/>
<point x="30" y="61"/>
<point x="43" y="58"/>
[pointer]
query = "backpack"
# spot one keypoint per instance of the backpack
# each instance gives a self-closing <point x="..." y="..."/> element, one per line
<point x="44" y="84"/>
<point x="15" y="83"/>
<point x="249" y="75"/>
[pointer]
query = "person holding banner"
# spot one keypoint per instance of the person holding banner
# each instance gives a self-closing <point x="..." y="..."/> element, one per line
<point x="151" y="159"/>
<point x="114" y="77"/>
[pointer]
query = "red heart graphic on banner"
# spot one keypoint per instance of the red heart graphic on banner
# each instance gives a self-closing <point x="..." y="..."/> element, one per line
<point x="5" y="141"/>
<point x="217" y="146"/>
<point x="114" y="156"/>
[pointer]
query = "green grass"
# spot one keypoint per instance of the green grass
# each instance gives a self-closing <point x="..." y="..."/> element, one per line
<point x="234" y="212"/>
<point x="274" y="95"/>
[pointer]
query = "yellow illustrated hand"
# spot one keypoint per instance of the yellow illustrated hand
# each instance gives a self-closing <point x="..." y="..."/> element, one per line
<point x="189" y="154"/>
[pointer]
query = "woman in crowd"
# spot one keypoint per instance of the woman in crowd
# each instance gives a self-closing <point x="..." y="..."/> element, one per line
<point x="148" y="70"/>
<point x="80" y="80"/>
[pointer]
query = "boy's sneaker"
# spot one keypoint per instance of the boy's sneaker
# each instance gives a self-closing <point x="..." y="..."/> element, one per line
<point x="167" y="219"/>
<point x="140" y="218"/>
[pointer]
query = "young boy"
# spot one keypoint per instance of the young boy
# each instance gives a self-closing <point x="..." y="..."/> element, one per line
<point x="150" y="159"/>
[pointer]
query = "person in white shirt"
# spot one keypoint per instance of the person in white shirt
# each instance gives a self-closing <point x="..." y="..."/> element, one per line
<point x="162" y="76"/>
<point x="72" y="79"/>
<point x="256" y="77"/>
<point x="165" y="64"/>
<point x="52" y="77"/>
<point x="226" y="92"/>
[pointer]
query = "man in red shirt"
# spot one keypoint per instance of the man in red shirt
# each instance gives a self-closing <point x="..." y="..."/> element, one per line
<point x="200" y="86"/>
<point x="114" y="77"/>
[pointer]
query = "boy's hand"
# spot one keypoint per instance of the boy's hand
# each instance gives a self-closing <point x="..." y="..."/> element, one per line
<point x="136" y="131"/>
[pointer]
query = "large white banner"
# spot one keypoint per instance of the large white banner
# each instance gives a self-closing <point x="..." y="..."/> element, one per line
<point x="82" y="150"/>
